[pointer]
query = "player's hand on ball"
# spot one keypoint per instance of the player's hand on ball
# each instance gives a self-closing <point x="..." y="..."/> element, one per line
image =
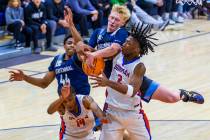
<point x="89" y="59"/>
<point x="17" y="75"/>
<point x="82" y="48"/>
<point x="99" y="81"/>
<point x="65" y="91"/>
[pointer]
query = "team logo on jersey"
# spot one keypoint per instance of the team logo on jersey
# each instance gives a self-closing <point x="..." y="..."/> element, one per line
<point x="100" y="37"/>
<point x="122" y="70"/>
<point x="58" y="63"/>
<point x="103" y="45"/>
<point x="37" y="15"/>
<point x="63" y="70"/>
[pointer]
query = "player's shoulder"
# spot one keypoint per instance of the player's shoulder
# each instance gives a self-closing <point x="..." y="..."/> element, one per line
<point x="122" y="30"/>
<point x="59" y="56"/>
<point x="140" y="68"/>
<point x="99" y="30"/>
<point x="87" y="100"/>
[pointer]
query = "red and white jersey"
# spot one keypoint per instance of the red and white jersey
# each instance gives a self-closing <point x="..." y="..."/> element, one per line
<point x="121" y="72"/>
<point x="80" y="124"/>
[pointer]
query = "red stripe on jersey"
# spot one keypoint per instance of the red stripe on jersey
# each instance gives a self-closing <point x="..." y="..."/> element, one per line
<point x="145" y="119"/>
<point x="62" y="129"/>
<point x="105" y="104"/>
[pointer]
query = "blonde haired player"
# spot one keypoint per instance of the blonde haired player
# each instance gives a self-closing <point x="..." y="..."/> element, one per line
<point x="77" y="119"/>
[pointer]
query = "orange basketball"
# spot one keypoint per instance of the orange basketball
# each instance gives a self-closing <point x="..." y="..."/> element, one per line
<point x="98" y="66"/>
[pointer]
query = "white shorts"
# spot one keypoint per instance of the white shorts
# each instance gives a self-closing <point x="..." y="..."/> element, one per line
<point x="121" y="120"/>
<point x="88" y="137"/>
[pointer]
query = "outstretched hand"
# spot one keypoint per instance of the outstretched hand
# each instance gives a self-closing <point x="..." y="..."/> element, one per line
<point x="99" y="81"/>
<point x="65" y="91"/>
<point x="68" y="16"/>
<point x="16" y="75"/>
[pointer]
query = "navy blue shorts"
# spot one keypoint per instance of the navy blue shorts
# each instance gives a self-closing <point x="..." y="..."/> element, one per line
<point x="147" y="89"/>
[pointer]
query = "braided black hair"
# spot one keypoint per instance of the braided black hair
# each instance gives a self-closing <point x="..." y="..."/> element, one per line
<point x="141" y="34"/>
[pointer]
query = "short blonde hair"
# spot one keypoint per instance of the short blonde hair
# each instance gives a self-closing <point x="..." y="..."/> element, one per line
<point x="122" y="10"/>
<point x="10" y="3"/>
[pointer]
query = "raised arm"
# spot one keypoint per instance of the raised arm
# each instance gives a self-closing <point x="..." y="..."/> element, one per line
<point x="58" y="105"/>
<point x="55" y="106"/>
<point x="111" y="51"/>
<point x="129" y="89"/>
<point x="68" y="16"/>
<point x="81" y="46"/>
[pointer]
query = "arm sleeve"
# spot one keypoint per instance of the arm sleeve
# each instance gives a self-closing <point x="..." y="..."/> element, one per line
<point x="90" y="6"/>
<point x="8" y="16"/>
<point x="77" y="8"/>
<point x="151" y="1"/>
<point x="28" y="16"/>
<point x="50" y="14"/>
<point x="93" y="38"/>
<point x="22" y="14"/>
<point x="44" y="18"/>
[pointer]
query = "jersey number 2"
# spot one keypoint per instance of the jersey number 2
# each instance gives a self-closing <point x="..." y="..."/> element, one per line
<point x="119" y="78"/>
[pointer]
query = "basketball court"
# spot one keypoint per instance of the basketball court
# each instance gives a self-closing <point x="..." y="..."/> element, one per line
<point x="182" y="60"/>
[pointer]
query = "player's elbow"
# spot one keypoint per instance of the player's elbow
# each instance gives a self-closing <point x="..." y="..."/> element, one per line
<point x="44" y="85"/>
<point x="49" y="111"/>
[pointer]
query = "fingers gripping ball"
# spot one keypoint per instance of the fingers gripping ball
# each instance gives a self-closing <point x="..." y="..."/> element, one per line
<point x="98" y="67"/>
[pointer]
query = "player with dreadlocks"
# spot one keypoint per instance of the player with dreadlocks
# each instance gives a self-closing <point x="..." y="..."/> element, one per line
<point x="123" y="86"/>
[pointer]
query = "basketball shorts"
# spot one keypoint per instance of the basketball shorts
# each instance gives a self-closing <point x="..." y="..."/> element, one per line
<point x="147" y="89"/>
<point x="121" y="120"/>
<point x="88" y="137"/>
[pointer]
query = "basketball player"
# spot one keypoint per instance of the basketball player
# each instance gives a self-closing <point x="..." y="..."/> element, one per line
<point x="66" y="68"/>
<point x="77" y="119"/>
<point x="123" y="86"/>
<point x="108" y="42"/>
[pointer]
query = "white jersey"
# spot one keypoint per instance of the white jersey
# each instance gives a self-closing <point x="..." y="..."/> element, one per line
<point x="80" y="124"/>
<point x="121" y="73"/>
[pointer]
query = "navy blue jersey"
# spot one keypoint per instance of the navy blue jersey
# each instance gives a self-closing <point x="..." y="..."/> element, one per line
<point x="70" y="71"/>
<point x="101" y="39"/>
